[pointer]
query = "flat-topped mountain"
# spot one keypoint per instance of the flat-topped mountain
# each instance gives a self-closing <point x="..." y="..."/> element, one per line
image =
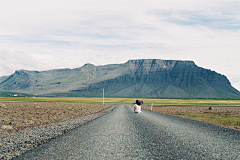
<point x="153" y="78"/>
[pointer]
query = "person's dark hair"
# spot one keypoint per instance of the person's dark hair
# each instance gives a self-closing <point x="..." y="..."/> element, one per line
<point x="139" y="102"/>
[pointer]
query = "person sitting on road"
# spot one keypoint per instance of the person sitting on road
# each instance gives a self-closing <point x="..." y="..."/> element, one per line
<point x="137" y="106"/>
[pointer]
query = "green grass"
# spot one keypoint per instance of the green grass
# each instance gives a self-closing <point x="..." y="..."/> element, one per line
<point x="214" y="118"/>
<point x="199" y="102"/>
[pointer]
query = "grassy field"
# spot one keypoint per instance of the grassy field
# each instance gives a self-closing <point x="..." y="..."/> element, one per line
<point x="18" y="113"/>
<point x="199" y="102"/>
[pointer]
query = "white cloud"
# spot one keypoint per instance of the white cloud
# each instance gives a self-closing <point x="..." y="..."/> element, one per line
<point x="41" y="35"/>
<point x="11" y="61"/>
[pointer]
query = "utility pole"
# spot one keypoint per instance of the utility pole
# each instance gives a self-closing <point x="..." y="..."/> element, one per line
<point x="103" y="95"/>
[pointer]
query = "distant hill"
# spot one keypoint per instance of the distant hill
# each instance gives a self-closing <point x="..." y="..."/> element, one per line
<point x="12" y="94"/>
<point x="153" y="78"/>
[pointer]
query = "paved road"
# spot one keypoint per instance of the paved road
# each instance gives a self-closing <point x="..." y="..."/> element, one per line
<point x="123" y="134"/>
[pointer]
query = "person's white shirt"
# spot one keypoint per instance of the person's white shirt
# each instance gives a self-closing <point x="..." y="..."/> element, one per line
<point x="137" y="108"/>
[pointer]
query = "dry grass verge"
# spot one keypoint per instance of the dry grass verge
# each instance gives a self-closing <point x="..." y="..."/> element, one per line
<point x="17" y="116"/>
<point x="227" y="116"/>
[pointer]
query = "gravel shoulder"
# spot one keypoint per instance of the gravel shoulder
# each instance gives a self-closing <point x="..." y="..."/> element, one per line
<point x="17" y="143"/>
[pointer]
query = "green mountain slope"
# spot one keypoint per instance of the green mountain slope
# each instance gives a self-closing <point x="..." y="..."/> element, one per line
<point x="135" y="78"/>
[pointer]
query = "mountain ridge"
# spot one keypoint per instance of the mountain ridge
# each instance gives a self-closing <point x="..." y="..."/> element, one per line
<point x="153" y="78"/>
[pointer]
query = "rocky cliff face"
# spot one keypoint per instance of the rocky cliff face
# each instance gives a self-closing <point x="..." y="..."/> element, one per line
<point x="135" y="78"/>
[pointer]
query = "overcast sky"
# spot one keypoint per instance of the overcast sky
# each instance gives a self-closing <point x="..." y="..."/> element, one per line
<point x="52" y="34"/>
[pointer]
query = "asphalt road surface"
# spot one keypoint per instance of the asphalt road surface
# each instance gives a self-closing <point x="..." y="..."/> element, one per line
<point x="123" y="134"/>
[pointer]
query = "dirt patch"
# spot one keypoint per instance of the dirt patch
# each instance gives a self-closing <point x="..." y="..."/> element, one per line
<point x="17" y="116"/>
<point x="187" y="111"/>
